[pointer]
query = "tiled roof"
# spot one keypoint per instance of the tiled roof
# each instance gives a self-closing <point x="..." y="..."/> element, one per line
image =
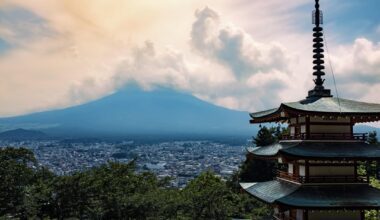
<point x="311" y="196"/>
<point x="326" y="105"/>
<point x="319" y="150"/>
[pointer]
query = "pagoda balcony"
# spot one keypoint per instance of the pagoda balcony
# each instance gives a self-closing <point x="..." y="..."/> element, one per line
<point x="327" y="136"/>
<point x="282" y="216"/>
<point x="323" y="179"/>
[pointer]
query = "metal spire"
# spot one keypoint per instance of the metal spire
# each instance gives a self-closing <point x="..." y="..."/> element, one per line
<point x="319" y="90"/>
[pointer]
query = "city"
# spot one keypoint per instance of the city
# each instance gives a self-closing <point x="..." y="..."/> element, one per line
<point x="179" y="160"/>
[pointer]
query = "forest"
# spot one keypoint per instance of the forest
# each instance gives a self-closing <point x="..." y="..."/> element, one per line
<point x="117" y="191"/>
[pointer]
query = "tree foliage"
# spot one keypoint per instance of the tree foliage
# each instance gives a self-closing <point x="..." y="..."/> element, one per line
<point x="256" y="170"/>
<point x="16" y="173"/>
<point x="112" y="191"/>
<point x="372" y="138"/>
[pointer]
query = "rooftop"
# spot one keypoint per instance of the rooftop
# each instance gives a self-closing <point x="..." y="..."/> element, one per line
<point x="320" y="106"/>
<point x="315" y="197"/>
<point x="342" y="150"/>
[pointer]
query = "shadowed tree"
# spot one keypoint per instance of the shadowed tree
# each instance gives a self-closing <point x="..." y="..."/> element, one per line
<point x="16" y="173"/>
<point x="208" y="197"/>
<point x="256" y="170"/>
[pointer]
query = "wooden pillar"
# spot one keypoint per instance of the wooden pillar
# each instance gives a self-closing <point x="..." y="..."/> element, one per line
<point x="292" y="213"/>
<point x="307" y="127"/>
<point x="297" y="129"/>
<point x="352" y="127"/>
<point x="356" y="170"/>
<point x="307" y="171"/>
<point x="305" y="214"/>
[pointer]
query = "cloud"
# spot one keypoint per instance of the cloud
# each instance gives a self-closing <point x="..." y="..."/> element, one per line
<point x="77" y="53"/>
<point x="358" y="68"/>
<point x="65" y="53"/>
<point x="227" y="66"/>
<point x="233" y="47"/>
<point x="69" y="50"/>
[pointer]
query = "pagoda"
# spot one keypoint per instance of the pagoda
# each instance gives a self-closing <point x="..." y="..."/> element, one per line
<point x="320" y="158"/>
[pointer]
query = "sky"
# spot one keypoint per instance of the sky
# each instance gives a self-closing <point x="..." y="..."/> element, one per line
<point x="246" y="55"/>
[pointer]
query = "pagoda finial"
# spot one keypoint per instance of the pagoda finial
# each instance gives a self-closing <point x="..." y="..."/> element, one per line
<point x="319" y="90"/>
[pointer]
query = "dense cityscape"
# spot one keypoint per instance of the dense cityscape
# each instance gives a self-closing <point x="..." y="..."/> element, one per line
<point x="180" y="160"/>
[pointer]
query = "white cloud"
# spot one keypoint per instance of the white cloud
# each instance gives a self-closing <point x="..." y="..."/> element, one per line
<point x="233" y="47"/>
<point x="358" y="69"/>
<point x="83" y="50"/>
<point x="83" y="55"/>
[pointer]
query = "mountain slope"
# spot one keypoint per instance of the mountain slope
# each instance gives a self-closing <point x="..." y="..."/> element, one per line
<point x="22" y="134"/>
<point x="133" y="111"/>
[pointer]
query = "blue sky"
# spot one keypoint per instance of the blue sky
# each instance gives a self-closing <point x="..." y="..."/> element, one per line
<point x="357" y="18"/>
<point x="243" y="54"/>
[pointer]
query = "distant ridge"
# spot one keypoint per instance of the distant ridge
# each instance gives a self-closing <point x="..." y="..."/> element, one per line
<point x="133" y="111"/>
<point x="22" y="134"/>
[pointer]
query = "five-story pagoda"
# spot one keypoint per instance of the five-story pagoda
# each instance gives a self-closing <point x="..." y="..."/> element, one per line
<point x="321" y="154"/>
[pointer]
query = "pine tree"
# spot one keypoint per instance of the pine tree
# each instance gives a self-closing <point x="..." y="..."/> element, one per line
<point x="256" y="170"/>
<point x="372" y="138"/>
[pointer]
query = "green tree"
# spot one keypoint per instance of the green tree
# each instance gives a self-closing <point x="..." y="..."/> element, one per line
<point x="16" y="173"/>
<point x="265" y="136"/>
<point x="257" y="170"/>
<point x="208" y="197"/>
<point x="372" y="138"/>
<point x="38" y="195"/>
<point x="112" y="191"/>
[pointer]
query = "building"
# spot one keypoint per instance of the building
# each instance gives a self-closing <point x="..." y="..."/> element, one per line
<point x="321" y="156"/>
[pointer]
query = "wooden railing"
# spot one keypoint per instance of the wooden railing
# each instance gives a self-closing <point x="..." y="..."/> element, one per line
<point x="327" y="136"/>
<point x="282" y="216"/>
<point x="288" y="176"/>
<point x="323" y="179"/>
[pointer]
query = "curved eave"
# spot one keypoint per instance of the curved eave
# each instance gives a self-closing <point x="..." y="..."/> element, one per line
<point x="333" y="197"/>
<point x="317" y="151"/>
<point x="315" y="197"/>
<point x="267" y="152"/>
<point x="332" y="151"/>
<point x="287" y="110"/>
<point x="270" y="191"/>
<point x="292" y="157"/>
<point x="358" y="117"/>
<point x="266" y="116"/>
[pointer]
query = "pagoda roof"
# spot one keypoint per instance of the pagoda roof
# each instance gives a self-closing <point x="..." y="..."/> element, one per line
<point x="334" y="196"/>
<point x="319" y="150"/>
<point x="330" y="106"/>
<point x="359" y="196"/>
<point x="270" y="191"/>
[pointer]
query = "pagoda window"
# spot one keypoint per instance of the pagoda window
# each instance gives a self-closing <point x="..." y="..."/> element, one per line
<point x="301" y="119"/>
<point x="292" y="130"/>
<point x="300" y="214"/>
<point x="303" y="129"/>
<point x="302" y="170"/>
<point x="293" y="121"/>
<point x="290" y="168"/>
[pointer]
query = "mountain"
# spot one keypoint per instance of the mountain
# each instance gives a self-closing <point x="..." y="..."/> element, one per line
<point x="133" y="111"/>
<point x="22" y="134"/>
<point x="365" y="129"/>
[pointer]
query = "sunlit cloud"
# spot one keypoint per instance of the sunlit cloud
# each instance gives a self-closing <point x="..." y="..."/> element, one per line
<point x="245" y="55"/>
